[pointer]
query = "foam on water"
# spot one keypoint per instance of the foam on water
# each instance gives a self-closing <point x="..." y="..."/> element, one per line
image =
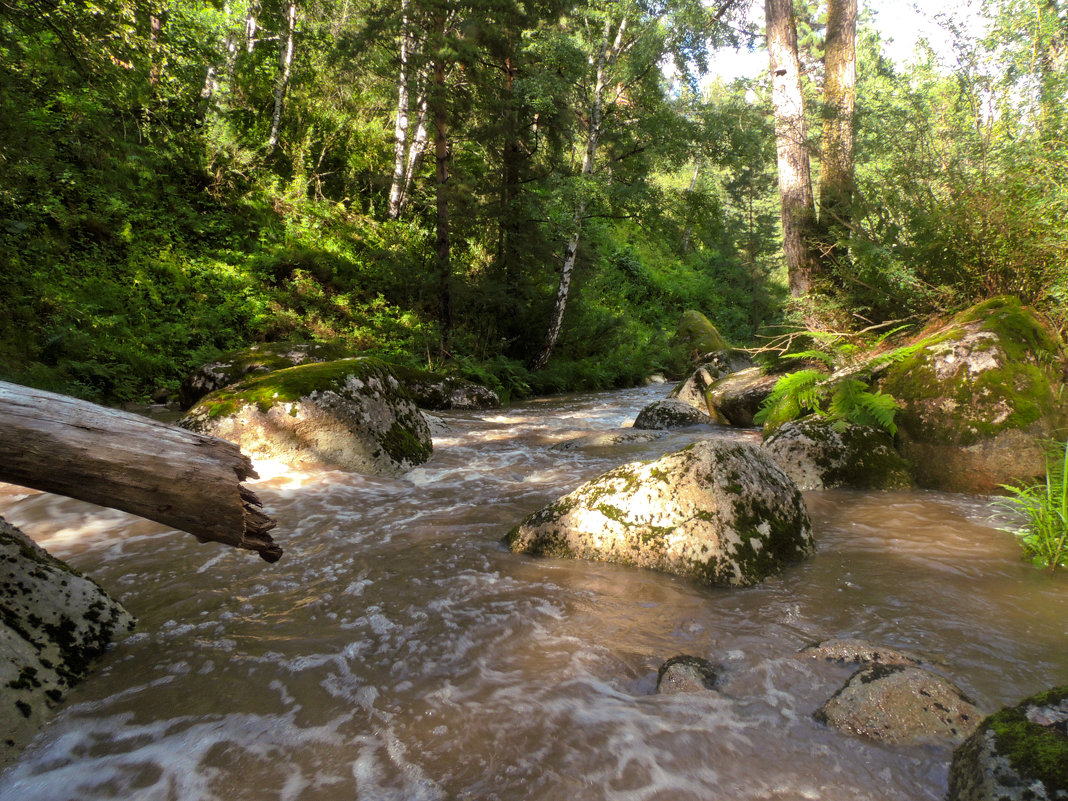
<point x="398" y="651"/>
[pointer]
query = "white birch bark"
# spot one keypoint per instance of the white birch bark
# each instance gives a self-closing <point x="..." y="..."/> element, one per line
<point x="285" y="64"/>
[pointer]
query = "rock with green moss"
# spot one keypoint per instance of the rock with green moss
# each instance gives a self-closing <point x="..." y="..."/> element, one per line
<point x="54" y="623"/>
<point x="818" y="453"/>
<point x="438" y="392"/>
<point x="722" y="513"/>
<point x="265" y="357"/>
<point x="736" y="398"/>
<point x="350" y="414"/>
<point x="1017" y="754"/>
<point x="900" y="704"/>
<point x="979" y="397"/>
<point x="669" y="413"/>
<point x="699" y="335"/>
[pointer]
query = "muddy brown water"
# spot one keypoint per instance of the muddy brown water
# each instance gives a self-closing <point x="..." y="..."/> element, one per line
<point x="398" y="651"/>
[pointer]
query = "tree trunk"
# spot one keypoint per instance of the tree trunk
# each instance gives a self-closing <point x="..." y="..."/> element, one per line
<point x="441" y="157"/>
<point x="839" y="99"/>
<point x="688" y="231"/>
<point x="606" y="56"/>
<point x="400" y="129"/>
<point x="104" y="456"/>
<point x="791" y="140"/>
<point x="285" y="63"/>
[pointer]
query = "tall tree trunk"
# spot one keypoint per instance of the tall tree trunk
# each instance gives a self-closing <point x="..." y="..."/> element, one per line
<point x="441" y="157"/>
<point x="839" y="99"/>
<point x="606" y="55"/>
<point x="252" y="24"/>
<point x="795" y="181"/>
<point x="416" y="149"/>
<point x="285" y="64"/>
<point x="688" y="232"/>
<point x="400" y="130"/>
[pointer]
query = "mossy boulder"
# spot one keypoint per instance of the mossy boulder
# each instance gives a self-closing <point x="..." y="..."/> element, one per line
<point x="736" y="398"/>
<point x="262" y="358"/>
<point x="818" y="453"/>
<point x="437" y="392"/>
<point x="979" y="397"/>
<point x="721" y="513"/>
<point x="698" y="334"/>
<point x="54" y="623"/>
<point x="666" y="414"/>
<point x="1017" y="754"/>
<point x="350" y="414"/>
<point x="901" y="704"/>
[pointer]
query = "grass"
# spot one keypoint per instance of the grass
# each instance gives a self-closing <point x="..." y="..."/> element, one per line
<point x="1044" y="534"/>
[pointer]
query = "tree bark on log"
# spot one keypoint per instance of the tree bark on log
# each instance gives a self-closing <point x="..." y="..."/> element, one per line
<point x="123" y="461"/>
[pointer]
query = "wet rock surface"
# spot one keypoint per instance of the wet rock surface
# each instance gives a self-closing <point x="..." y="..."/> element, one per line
<point x="686" y="674"/>
<point x="609" y="439"/>
<point x="1017" y="754"/>
<point x="901" y="705"/>
<point x="858" y="652"/>
<point x="670" y="413"/>
<point x="54" y="623"/>
<point x="737" y="398"/>
<point x="718" y="512"/>
<point x="818" y="453"/>
<point x="350" y="414"/>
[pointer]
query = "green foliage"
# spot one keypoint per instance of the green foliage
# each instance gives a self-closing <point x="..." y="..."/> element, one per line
<point x="1044" y="508"/>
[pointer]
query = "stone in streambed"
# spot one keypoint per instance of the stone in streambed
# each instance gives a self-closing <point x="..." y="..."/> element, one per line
<point x="663" y="415"/>
<point x="719" y="512"/>
<point x="54" y="623"/>
<point x="686" y="674"/>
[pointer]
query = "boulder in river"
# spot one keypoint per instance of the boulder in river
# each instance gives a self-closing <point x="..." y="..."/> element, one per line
<point x="737" y="398"/>
<point x="900" y="704"/>
<point x="849" y="650"/>
<point x="819" y="453"/>
<point x="265" y="357"/>
<point x="438" y="392"/>
<point x="686" y="674"/>
<point x="979" y="397"/>
<point x="1017" y="754"/>
<point x="719" y="512"/>
<point x="55" y="623"/>
<point x="609" y="439"/>
<point x="669" y="413"/>
<point x="350" y="414"/>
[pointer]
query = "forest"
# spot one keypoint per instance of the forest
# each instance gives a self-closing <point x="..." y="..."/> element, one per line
<point x="528" y="194"/>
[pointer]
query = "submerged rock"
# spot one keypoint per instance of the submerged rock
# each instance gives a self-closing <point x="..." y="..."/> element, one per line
<point x="609" y="439"/>
<point x="666" y="414"/>
<point x="979" y="397"/>
<point x="818" y="453"/>
<point x="848" y="650"/>
<point x="686" y="674"/>
<point x="901" y="705"/>
<point x="1017" y="754"/>
<point x="54" y="623"/>
<point x="737" y="398"/>
<point x="265" y="357"/>
<point x="349" y="414"/>
<point x="718" y="512"/>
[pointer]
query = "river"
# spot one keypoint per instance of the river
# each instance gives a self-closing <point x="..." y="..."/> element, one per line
<point x="398" y="651"/>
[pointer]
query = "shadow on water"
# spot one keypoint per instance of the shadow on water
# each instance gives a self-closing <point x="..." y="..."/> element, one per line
<point x="398" y="651"/>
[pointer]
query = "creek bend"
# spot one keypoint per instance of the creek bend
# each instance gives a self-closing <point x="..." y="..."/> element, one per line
<point x="398" y="651"/>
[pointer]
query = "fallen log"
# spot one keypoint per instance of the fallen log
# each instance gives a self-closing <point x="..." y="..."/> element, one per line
<point x="112" y="458"/>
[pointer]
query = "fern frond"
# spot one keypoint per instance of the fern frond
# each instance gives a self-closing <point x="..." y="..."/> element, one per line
<point x="793" y="395"/>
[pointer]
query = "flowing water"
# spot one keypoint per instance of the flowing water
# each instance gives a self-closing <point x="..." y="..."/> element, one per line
<point x="398" y="651"/>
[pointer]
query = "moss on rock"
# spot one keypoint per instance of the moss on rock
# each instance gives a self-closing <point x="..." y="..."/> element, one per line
<point x="698" y="333"/>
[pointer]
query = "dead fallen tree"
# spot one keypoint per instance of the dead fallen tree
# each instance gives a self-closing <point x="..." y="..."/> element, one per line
<point x="117" y="459"/>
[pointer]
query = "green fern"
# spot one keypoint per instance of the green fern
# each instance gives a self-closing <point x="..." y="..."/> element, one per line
<point x="793" y="395"/>
<point x="853" y="401"/>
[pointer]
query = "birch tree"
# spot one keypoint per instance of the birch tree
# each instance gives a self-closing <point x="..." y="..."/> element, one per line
<point x="285" y="65"/>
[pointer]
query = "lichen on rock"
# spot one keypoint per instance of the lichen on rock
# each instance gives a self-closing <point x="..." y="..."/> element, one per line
<point x="350" y="414"/>
<point x="54" y="623"/>
<point x="721" y="513"/>
<point x="978" y="398"/>
<point x="669" y="413"/>
<point x="1017" y="754"/>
